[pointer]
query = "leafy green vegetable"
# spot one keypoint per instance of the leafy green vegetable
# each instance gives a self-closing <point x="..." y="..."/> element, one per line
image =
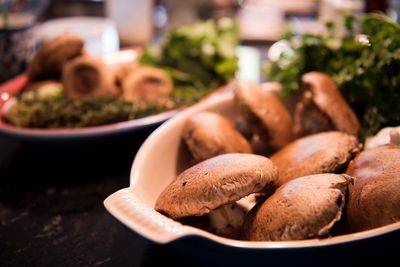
<point x="365" y="66"/>
<point x="198" y="57"/>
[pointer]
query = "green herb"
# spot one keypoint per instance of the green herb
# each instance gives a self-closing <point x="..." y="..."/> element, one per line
<point x="365" y="66"/>
<point x="33" y="111"/>
<point x="199" y="56"/>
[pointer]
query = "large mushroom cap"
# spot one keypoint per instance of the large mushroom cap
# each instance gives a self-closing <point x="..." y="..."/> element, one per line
<point x="318" y="153"/>
<point x="49" y="61"/>
<point x="265" y="113"/>
<point x="374" y="198"/>
<point x="303" y="208"/>
<point x="209" y="134"/>
<point x="322" y="107"/>
<point x="215" y="182"/>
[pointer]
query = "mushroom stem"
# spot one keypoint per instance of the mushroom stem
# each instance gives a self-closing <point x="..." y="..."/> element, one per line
<point x="227" y="220"/>
<point x="394" y="137"/>
<point x="386" y="136"/>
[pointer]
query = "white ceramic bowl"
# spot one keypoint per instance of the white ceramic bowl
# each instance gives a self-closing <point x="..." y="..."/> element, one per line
<point x="162" y="157"/>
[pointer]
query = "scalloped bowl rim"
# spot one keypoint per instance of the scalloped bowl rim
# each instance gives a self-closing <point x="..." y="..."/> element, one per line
<point x="128" y="207"/>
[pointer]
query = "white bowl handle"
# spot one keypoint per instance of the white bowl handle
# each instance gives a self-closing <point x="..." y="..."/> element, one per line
<point x="137" y="215"/>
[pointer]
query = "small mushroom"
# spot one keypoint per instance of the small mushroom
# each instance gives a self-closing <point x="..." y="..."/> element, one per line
<point x="386" y="136"/>
<point x="374" y="198"/>
<point x="86" y="77"/>
<point x="49" y="61"/>
<point x="322" y="107"/>
<point x="317" y="153"/>
<point x="304" y="208"/>
<point x="122" y="71"/>
<point x="209" y="134"/>
<point x="213" y="183"/>
<point x="266" y="115"/>
<point x="145" y="84"/>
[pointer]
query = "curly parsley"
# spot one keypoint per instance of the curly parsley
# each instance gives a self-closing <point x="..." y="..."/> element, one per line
<point x="365" y="64"/>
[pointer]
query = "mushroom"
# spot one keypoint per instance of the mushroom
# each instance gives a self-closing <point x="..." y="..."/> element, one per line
<point x="388" y="135"/>
<point x="266" y="115"/>
<point x="146" y="85"/>
<point x="374" y="198"/>
<point x="122" y="71"/>
<point x="213" y="183"/>
<point x="209" y="134"/>
<point x="86" y="77"/>
<point x="49" y="61"/>
<point x="304" y="208"/>
<point x="317" y="153"/>
<point x="322" y="107"/>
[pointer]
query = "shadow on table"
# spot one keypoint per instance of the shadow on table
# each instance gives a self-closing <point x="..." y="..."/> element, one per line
<point x="75" y="162"/>
<point x="49" y="179"/>
<point x="133" y="250"/>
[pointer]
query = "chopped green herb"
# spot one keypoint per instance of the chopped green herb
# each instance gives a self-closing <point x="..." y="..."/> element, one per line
<point x="73" y="113"/>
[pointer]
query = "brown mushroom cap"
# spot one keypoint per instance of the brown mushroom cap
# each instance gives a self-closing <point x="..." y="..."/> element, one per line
<point x="86" y="77"/>
<point x="49" y="61"/>
<point x="323" y="108"/>
<point x="266" y="114"/>
<point x="215" y="182"/>
<point x="374" y="198"/>
<point x="318" y="153"/>
<point x="303" y="208"/>
<point x="209" y="134"/>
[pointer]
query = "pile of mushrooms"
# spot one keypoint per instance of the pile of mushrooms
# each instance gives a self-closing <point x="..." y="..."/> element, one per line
<point x="277" y="174"/>
<point x="63" y="61"/>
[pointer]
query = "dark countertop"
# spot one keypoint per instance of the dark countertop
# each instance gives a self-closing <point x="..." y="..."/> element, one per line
<point x="51" y="206"/>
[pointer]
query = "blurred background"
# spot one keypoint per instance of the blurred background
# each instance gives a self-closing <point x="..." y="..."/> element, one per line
<point x="109" y="25"/>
